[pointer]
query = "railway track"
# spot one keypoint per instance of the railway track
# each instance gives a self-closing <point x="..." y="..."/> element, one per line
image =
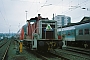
<point x="4" y="49"/>
<point x="3" y="43"/>
<point x="72" y="55"/>
<point x="40" y="55"/>
<point x="48" y="55"/>
<point x="61" y="57"/>
<point x="78" y="50"/>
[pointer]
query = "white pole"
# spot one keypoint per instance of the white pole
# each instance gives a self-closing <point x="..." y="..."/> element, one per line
<point x="26" y="15"/>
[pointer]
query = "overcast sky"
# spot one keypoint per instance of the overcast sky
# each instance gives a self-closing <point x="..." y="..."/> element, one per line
<point x="13" y="15"/>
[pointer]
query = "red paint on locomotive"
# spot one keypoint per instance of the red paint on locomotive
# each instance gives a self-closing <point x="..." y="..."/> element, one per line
<point x="22" y="34"/>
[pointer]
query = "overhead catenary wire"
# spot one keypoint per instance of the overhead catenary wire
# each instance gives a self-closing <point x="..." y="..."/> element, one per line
<point x="31" y="5"/>
<point x="52" y="8"/>
<point x="4" y="12"/>
<point x="3" y="18"/>
<point x="40" y="8"/>
<point x="79" y="5"/>
<point x="4" y="15"/>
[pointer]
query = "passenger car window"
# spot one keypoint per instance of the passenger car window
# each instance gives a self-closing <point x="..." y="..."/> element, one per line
<point x="86" y="31"/>
<point x="80" y="32"/>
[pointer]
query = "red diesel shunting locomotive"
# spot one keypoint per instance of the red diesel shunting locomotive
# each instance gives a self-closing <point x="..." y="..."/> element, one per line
<point x="41" y="35"/>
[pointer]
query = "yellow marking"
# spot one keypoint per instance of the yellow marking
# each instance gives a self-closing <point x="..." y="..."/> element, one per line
<point x="20" y="47"/>
<point x="51" y="45"/>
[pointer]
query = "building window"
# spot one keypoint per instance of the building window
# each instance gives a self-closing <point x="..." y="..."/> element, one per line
<point x="58" y="18"/>
<point x="86" y="31"/>
<point x="80" y="32"/>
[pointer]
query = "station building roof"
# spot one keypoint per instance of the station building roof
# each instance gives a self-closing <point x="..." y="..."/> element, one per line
<point x="85" y="19"/>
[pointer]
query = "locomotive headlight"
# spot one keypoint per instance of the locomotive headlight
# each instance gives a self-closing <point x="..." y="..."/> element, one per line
<point x="41" y="43"/>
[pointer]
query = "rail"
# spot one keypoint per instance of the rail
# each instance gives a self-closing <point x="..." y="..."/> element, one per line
<point x="4" y="49"/>
<point x="78" y="50"/>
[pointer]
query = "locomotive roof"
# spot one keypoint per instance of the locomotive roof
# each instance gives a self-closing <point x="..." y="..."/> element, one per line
<point x="35" y="19"/>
